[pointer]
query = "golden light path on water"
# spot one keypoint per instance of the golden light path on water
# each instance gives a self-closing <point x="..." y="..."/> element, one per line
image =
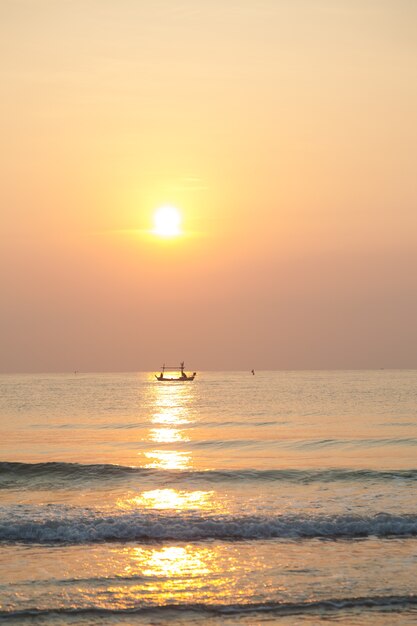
<point x="167" y="435"/>
<point x="175" y="573"/>
<point x="178" y="569"/>
<point x="170" y="412"/>
<point x="169" y="416"/>
<point x="168" y="499"/>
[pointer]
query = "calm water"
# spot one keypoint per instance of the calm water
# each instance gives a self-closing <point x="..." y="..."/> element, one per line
<point x="284" y="497"/>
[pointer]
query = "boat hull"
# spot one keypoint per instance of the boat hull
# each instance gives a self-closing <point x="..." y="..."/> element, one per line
<point x="183" y="379"/>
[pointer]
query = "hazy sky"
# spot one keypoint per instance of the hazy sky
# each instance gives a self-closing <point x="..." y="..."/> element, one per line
<point x="285" y="131"/>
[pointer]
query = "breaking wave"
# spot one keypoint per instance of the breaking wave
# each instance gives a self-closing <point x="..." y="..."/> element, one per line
<point x="80" y="526"/>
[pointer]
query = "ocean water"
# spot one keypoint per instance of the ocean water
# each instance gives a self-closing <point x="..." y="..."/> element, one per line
<point x="280" y="498"/>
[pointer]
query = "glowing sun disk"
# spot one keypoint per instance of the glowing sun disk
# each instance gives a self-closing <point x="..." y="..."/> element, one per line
<point x="167" y="222"/>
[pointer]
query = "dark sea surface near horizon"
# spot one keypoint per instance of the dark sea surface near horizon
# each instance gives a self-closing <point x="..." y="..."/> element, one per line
<point x="284" y="497"/>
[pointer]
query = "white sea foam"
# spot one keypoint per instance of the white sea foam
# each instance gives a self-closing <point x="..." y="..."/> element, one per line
<point x="65" y="525"/>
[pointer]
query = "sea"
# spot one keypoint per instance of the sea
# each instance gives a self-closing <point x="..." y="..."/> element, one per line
<point x="283" y="497"/>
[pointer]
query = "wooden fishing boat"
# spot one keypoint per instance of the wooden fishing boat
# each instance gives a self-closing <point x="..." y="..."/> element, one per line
<point x="179" y="379"/>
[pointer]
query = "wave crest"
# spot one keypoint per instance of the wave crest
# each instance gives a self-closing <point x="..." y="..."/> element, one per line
<point x="374" y="603"/>
<point x="14" y="472"/>
<point x="85" y="526"/>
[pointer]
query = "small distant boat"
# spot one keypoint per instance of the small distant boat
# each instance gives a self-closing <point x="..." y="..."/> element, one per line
<point x="179" y="379"/>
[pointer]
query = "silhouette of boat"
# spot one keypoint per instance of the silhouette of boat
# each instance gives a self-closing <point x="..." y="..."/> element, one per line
<point x="179" y="379"/>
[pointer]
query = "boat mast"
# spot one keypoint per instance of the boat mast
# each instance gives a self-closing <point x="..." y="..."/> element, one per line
<point x="173" y="367"/>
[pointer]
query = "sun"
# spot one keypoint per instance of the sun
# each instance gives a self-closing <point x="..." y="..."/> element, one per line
<point x="167" y="222"/>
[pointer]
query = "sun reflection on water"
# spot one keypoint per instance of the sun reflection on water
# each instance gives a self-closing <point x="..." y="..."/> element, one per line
<point x="172" y="404"/>
<point x="171" y="561"/>
<point x="167" y="435"/>
<point x="172" y="573"/>
<point x="170" y="408"/>
<point x="178" y="561"/>
<point x="168" y="499"/>
<point x="168" y="459"/>
<point x="170" y="415"/>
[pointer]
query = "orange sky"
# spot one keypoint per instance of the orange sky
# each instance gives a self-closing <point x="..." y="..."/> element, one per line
<point x="286" y="133"/>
